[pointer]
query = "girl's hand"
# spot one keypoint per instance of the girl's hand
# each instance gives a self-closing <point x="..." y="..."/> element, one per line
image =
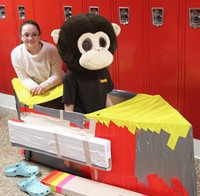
<point x="37" y="90"/>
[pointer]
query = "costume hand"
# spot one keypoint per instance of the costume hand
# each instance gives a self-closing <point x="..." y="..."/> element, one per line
<point x="37" y="90"/>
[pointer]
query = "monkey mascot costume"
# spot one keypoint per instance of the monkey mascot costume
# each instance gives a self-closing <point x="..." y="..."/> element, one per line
<point x="86" y="44"/>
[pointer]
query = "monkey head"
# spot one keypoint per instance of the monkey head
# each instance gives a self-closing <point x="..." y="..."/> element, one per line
<point x="86" y="41"/>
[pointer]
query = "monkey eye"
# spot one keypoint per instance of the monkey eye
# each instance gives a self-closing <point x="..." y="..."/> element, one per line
<point x="87" y="44"/>
<point x="102" y="42"/>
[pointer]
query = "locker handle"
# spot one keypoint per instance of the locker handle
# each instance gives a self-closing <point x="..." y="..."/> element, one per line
<point x="21" y="12"/>
<point x="94" y="10"/>
<point x="124" y="15"/>
<point x="157" y="16"/>
<point x="194" y="15"/>
<point x="67" y="12"/>
<point x="2" y="12"/>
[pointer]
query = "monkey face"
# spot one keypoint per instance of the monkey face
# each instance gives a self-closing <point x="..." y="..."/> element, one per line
<point x="87" y="42"/>
<point x="94" y="50"/>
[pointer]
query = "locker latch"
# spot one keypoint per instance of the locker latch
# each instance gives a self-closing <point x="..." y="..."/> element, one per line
<point x="21" y="12"/>
<point x="194" y="17"/>
<point x="67" y="12"/>
<point x="94" y="10"/>
<point x="157" y="16"/>
<point x="2" y="12"/>
<point x="124" y="15"/>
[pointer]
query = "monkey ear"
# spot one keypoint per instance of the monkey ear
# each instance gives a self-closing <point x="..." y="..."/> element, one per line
<point x="55" y="35"/>
<point x="116" y="28"/>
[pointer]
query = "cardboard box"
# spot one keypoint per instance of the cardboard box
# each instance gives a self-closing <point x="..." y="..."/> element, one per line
<point x="151" y="147"/>
<point x="56" y="137"/>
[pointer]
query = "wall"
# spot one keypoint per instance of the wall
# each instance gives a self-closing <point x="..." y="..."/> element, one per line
<point x="155" y="59"/>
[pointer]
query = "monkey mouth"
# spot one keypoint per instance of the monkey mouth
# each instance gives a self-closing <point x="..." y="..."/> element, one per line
<point x="93" y="63"/>
<point x="92" y="66"/>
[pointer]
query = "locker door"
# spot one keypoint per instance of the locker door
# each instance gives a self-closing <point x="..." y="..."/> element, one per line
<point x="68" y="8"/>
<point x="23" y="10"/>
<point x="192" y="65"/>
<point x="7" y="42"/>
<point x="103" y="8"/>
<point x="49" y="17"/>
<point x="10" y="39"/>
<point x="163" y="49"/>
<point x="130" y="65"/>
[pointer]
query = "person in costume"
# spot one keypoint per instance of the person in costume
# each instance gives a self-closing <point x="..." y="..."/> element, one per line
<point x="86" y="44"/>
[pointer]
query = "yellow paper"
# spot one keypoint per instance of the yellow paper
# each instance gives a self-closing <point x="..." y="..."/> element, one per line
<point x="145" y="112"/>
<point x="26" y="98"/>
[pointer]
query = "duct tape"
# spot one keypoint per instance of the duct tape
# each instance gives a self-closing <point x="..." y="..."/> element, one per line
<point x="61" y="114"/>
<point x="57" y="145"/>
<point x="92" y="127"/>
<point x="87" y="152"/>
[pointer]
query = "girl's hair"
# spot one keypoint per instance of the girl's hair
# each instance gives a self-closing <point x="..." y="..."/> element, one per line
<point x="32" y="22"/>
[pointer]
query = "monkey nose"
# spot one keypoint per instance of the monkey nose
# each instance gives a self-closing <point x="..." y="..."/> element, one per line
<point x="99" y="49"/>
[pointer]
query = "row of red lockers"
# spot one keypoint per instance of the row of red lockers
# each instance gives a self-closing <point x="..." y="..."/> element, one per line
<point x="158" y="50"/>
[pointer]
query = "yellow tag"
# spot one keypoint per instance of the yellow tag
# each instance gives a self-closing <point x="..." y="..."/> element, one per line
<point x="103" y="80"/>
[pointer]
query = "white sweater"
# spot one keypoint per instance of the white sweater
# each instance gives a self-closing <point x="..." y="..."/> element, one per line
<point x="43" y="68"/>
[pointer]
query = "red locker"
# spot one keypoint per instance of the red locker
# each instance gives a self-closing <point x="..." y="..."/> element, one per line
<point x="23" y="10"/>
<point x="191" y="64"/>
<point x="8" y="41"/>
<point x="163" y="49"/>
<point x="130" y="63"/>
<point x="104" y="8"/>
<point x="49" y="17"/>
<point x="15" y="13"/>
<point x="7" y="29"/>
<point x="68" y="8"/>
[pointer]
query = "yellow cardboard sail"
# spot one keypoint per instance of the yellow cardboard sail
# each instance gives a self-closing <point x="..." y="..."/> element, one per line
<point x="147" y="112"/>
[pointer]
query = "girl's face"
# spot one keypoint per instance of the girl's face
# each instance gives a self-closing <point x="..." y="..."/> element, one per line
<point x="30" y="36"/>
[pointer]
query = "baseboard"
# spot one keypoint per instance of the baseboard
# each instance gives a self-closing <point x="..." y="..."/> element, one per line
<point x="197" y="148"/>
<point x="8" y="101"/>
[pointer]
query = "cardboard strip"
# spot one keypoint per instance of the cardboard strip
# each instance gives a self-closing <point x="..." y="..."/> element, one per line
<point x="71" y="185"/>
